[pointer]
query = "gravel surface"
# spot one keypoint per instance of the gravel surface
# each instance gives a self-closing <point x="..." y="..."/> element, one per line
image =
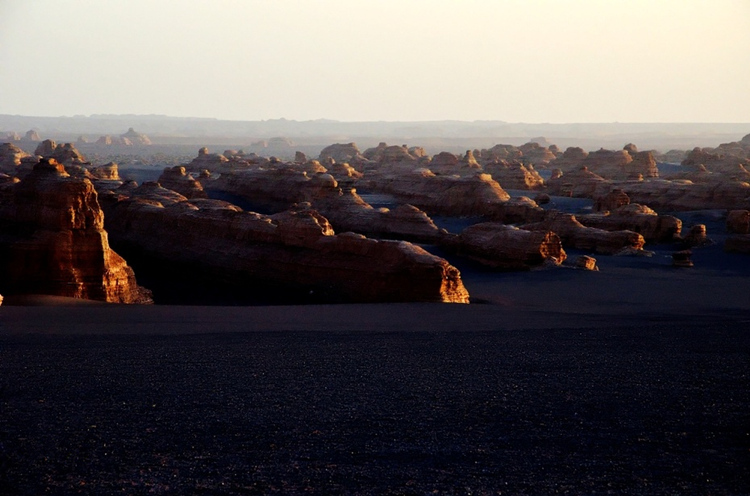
<point x="646" y="408"/>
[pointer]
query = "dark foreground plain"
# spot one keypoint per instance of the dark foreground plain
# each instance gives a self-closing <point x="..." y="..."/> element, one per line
<point x="371" y="399"/>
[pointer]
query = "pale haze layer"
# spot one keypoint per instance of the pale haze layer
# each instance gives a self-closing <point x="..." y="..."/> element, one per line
<point x="407" y="60"/>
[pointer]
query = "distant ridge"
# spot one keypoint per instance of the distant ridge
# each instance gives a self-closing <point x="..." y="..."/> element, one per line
<point x="456" y="133"/>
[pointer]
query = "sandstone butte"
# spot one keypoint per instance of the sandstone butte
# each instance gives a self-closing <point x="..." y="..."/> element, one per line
<point x="295" y="249"/>
<point x="53" y="242"/>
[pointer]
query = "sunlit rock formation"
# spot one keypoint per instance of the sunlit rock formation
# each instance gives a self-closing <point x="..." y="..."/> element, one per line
<point x="505" y="247"/>
<point x="610" y="164"/>
<point x="294" y="249"/>
<point x="637" y="218"/>
<point x="580" y="183"/>
<point x="341" y="152"/>
<point x="53" y="241"/>
<point x="176" y="179"/>
<point x="514" y="175"/>
<point x="575" y="235"/>
<point x="680" y="195"/>
<point x="10" y="158"/>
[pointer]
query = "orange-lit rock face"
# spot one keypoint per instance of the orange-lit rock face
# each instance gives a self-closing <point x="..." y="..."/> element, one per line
<point x="54" y="240"/>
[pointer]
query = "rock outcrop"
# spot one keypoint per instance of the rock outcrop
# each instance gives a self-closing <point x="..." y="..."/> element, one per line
<point x="514" y="175"/>
<point x="274" y="190"/>
<point x="136" y="138"/>
<point x="176" y="179"/>
<point x="619" y="165"/>
<point x="10" y="158"/>
<point x="505" y="247"/>
<point x="681" y="195"/>
<point x="738" y="222"/>
<point x="52" y="240"/>
<point x="575" y="235"/>
<point x="637" y="218"/>
<point x="296" y="250"/>
<point x="341" y="152"/>
<point x="581" y="183"/>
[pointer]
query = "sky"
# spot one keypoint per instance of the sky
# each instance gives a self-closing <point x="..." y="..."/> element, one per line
<point x="534" y="61"/>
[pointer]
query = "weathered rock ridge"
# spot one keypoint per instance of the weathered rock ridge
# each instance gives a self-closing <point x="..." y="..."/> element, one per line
<point x="295" y="249"/>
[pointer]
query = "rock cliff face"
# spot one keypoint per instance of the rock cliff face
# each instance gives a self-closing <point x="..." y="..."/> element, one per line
<point x="505" y="247"/>
<point x="575" y="235"/>
<point x="295" y="249"/>
<point x="53" y="240"/>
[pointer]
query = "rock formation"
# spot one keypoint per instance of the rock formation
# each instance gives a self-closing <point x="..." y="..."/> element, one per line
<point x="637" y="218"/>
<point x="31" y="135"/>
<point x="65" y="153"/>
<point x="136" y="138"/>
<point x="176" y="179"/>
<point x="53" y="241"/>
<point x="295" y="249"/>
<point x="581" y="183"/>
<point x="610" y="164"/>
<point x="274" y="190"/>
<point x="514" y="175"/>
<point x="505" y="247"/>
<point x="738" y="222"/>
<point x="586" y="262"/>
<point x="575" y="235"/>
<point x="716" y="162"/>
<point x="611" y="201"/>
<point x="339" y="152"/>
<point x="680" y="195"/>
<point x="535" y="153"/>
<point x="10" y="158"/>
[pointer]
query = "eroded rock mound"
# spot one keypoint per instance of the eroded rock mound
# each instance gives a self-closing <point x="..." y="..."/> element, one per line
<point x="53" y="241"/>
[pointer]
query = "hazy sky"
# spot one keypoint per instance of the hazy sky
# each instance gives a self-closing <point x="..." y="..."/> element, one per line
<point x="517" y="61"/>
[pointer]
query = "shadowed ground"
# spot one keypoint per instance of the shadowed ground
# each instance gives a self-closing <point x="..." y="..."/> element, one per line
<point x="401" y="399"/>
